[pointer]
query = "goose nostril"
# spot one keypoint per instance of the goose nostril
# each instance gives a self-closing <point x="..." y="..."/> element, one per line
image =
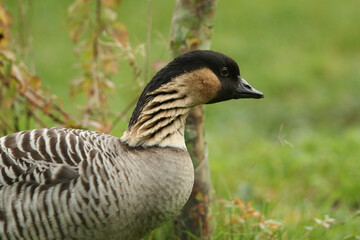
<point x="248" y="87"/>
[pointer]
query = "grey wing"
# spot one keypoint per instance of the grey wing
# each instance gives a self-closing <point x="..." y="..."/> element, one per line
<point x="43" y="155"/>
<point x="51" y="181"/>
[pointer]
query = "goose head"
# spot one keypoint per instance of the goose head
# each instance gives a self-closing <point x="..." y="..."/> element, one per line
<point x="194" y="78"/>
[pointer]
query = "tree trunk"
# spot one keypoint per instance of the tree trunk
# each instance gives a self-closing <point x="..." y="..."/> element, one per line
<point x="191" y="29"/>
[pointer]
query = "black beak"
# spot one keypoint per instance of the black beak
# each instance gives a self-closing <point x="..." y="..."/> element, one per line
<point x="244" y="90"/>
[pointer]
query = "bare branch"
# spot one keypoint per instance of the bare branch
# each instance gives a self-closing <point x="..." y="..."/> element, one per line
<point x="4" y="122"/>
<point x="122" y="115"/>
<point x="40" y="102"/>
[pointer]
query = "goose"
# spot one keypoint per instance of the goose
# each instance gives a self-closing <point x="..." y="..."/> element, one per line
<point x="60" y="183"/>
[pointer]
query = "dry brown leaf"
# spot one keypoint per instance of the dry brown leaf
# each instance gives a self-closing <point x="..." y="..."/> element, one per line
<point x="111" y="3"/>
<point x="35" y="82"/>
<point x="120" y="33"/>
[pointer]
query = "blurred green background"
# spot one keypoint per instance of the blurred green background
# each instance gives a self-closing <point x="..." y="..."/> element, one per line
<point x="294" y="154"/>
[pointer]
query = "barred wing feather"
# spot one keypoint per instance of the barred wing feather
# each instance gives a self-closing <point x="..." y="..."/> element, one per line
<point x="46" y="155"/>
<point x="49" y="184"/>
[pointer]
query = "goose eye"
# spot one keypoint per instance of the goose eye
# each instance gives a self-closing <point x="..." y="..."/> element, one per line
<point x="224" y="72"/>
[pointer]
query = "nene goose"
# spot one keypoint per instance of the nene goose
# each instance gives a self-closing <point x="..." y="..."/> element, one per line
<point x="74" y="184"/>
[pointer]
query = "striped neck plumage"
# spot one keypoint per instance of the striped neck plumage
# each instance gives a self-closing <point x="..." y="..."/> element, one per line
<point x="160" y="115"/>
<point x="161" y="121"/>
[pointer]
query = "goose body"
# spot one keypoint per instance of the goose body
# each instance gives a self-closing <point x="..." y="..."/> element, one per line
<point x="62" y="183"/>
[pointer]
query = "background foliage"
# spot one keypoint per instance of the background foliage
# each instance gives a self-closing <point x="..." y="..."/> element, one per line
<point x="294" y="155"/>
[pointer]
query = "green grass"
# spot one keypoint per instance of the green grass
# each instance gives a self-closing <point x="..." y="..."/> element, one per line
<point x="295" y="154"/>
